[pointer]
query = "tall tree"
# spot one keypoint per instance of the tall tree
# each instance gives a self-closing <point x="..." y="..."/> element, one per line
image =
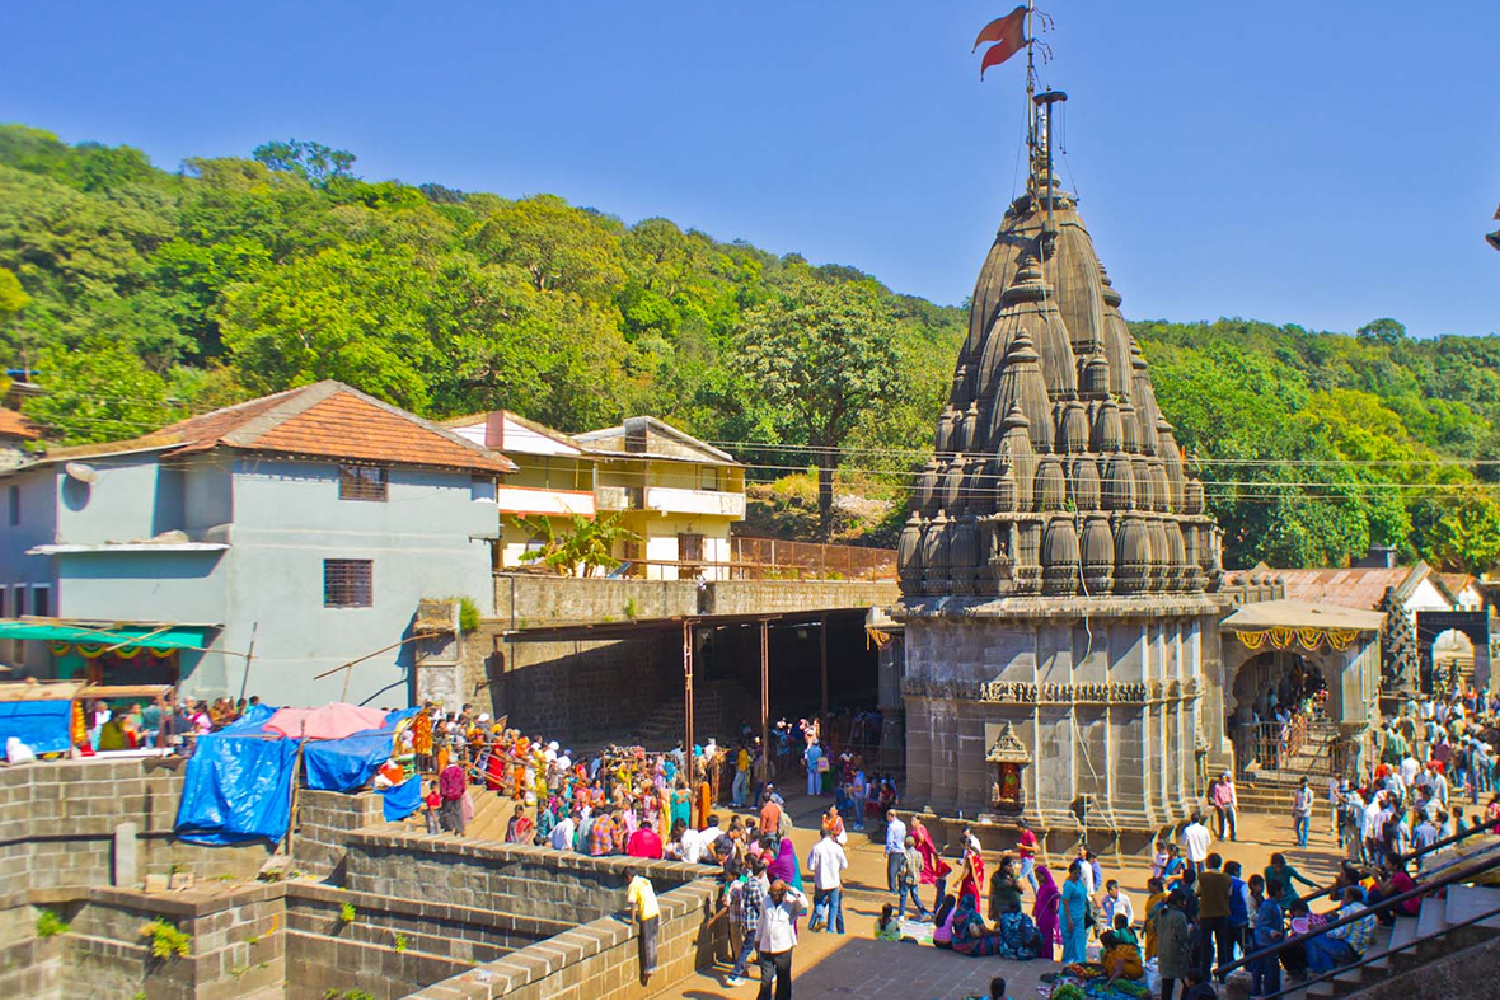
<point x="816" y="356"/>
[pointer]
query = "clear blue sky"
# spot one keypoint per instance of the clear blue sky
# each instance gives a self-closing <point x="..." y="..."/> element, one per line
<point x="1318" y="163"/>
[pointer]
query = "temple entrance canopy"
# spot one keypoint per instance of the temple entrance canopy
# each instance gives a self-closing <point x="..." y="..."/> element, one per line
<point x="1283" y="656"/>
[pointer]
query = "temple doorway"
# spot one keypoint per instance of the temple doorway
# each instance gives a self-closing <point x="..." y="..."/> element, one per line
<point x="1280" y="693"/>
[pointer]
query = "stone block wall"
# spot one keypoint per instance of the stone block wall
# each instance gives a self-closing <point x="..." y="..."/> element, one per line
<point x="236" y="947"/>
<point x="520" y="880"/>
<point x="324" y="822"/>
<point x="58" y="821"/>
<point x="323" y="963"/>
<point x="523" y="599"/>
<point x="429" y="925"/>
<point x="32" y="968"/>
<point x="599" y="960"/>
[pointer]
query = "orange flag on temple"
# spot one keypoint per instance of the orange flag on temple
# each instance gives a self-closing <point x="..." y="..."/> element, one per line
<point x="1009" y="35"/>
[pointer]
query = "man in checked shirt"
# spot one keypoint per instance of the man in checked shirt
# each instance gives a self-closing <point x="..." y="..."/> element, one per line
<point x="744" y="897"/>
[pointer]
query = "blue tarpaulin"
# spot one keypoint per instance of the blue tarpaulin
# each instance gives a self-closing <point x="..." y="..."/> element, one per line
<point x="238" y="787"/>
<point x="41" y="725"/>
<point x="347" y="764"/>
<point x="403" y="800"/>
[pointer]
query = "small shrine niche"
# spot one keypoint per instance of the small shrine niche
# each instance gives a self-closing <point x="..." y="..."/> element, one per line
<point x="1008" y="758"/>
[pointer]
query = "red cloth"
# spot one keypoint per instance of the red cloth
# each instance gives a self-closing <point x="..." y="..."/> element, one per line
<point x="1001" y="27"/>
<point x="451" y="784"/>
<point x="933" y="867"/>
<point x="1009" y="35"/>
<point x="644" y="843"/>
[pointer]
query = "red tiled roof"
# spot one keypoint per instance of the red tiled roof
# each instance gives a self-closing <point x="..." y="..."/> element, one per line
<point x="1356" y="587"/>
<point x="12" y="424"/>
<point x="325" y="420"/>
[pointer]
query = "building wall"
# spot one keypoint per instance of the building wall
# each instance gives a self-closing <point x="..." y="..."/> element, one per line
<point x="288" y="520"/>
<point x="131" y="497"/>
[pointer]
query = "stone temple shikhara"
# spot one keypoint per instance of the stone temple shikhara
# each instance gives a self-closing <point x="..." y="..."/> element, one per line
<point x="1055" y="563"/>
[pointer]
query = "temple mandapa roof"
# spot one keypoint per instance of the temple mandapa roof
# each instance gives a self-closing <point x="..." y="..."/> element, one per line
<point x="1301" y="614"/>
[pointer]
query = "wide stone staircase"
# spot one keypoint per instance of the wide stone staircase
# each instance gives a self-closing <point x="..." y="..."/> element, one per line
<point x="718" y="707"/>
<point x="1453" y="941"/>
<point x="1269" y="792"/>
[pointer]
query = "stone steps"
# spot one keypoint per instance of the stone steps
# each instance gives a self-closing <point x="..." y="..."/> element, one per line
<point x="1438" y="913"/>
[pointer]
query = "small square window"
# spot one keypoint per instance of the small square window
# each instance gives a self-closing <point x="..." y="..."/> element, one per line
<point x="363" y="482"/>
<point x="41" y="601"/>
<point x="348" y="583"/>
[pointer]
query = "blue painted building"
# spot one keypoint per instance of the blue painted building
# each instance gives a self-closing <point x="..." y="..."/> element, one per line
<point x="310" y="522"/>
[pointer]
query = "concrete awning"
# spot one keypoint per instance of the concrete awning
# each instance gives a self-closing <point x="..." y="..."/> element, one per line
<point x="1301" y="615"/>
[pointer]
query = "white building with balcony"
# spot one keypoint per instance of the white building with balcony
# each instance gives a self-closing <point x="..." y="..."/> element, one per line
<point x="677" y="495"/>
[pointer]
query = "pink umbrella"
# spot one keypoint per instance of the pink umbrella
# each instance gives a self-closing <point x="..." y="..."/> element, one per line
<point x="331" y="722"/>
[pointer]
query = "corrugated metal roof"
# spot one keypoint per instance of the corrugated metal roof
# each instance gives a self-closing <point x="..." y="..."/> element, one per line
<point x="1356" y="587"/>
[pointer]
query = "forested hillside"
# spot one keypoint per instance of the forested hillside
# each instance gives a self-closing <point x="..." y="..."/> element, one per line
<point x="139" y="295"/>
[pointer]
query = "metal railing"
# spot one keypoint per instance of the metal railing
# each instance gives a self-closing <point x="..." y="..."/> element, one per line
<point x="1274" y="744"/>
<point x="1422" y="889"/>
<point x="1449" y="841"/>
<point x="1389" y="951"/>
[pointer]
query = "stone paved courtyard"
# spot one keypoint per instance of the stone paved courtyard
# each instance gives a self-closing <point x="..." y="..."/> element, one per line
<point x="828" y="966"/>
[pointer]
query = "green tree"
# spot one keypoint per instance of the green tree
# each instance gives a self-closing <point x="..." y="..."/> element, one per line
<point x="1383" y="331"/>
<point x="584" y="547"/>
<point x="13" y="297"/>
<point x="314" y="162"/>
<point x="816" y="356"/>
<point x="356" y="314"/>
<point x="561" y="248"/>
<point x="100" y="392"/>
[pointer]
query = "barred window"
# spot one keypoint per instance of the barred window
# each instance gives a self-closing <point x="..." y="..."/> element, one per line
<point x="348" y="583"/>
<point x="362" y="482"/>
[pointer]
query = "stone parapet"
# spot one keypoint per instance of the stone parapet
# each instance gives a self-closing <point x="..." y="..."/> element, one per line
<point x="58" y="822"/>
<point x="598" y="960"/>
<point x="521" y="880"/>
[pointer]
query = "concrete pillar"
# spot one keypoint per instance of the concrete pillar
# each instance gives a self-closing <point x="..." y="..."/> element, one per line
<point x="891" y="665"/>
<point x="124" y="870"/>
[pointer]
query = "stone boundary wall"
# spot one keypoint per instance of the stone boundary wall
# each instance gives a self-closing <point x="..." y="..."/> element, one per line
<point x="525" y="881"/>
<point x="32" y="969"/>
<point x="524" y="599"/>
<point x="58" y="820"/>
<point x="427" y="925"/>
<point x="236" y="946"/>
<point x="599" y="960"/>
<point x="320" y="963"/>
<point x="324" y="822"/>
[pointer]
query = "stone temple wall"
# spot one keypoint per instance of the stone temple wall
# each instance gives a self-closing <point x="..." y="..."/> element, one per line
<point x="1107" y="705"/>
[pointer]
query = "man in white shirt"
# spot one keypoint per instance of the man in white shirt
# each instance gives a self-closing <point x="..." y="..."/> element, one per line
<point x="776" y="938"/>
<point x="1195" y="841"/>
<point x="693" y="844"/>
<point x="1409" y="770"/>
<point x="825" y="862"/>
<point x="1370" y="829"/>
<point x="562" y="833"/>
<point x="895" y="850"/>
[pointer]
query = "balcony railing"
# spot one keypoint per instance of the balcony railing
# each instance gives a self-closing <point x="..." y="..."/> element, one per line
<point x="618" y="497"/>
<point x="680" y="501"/>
